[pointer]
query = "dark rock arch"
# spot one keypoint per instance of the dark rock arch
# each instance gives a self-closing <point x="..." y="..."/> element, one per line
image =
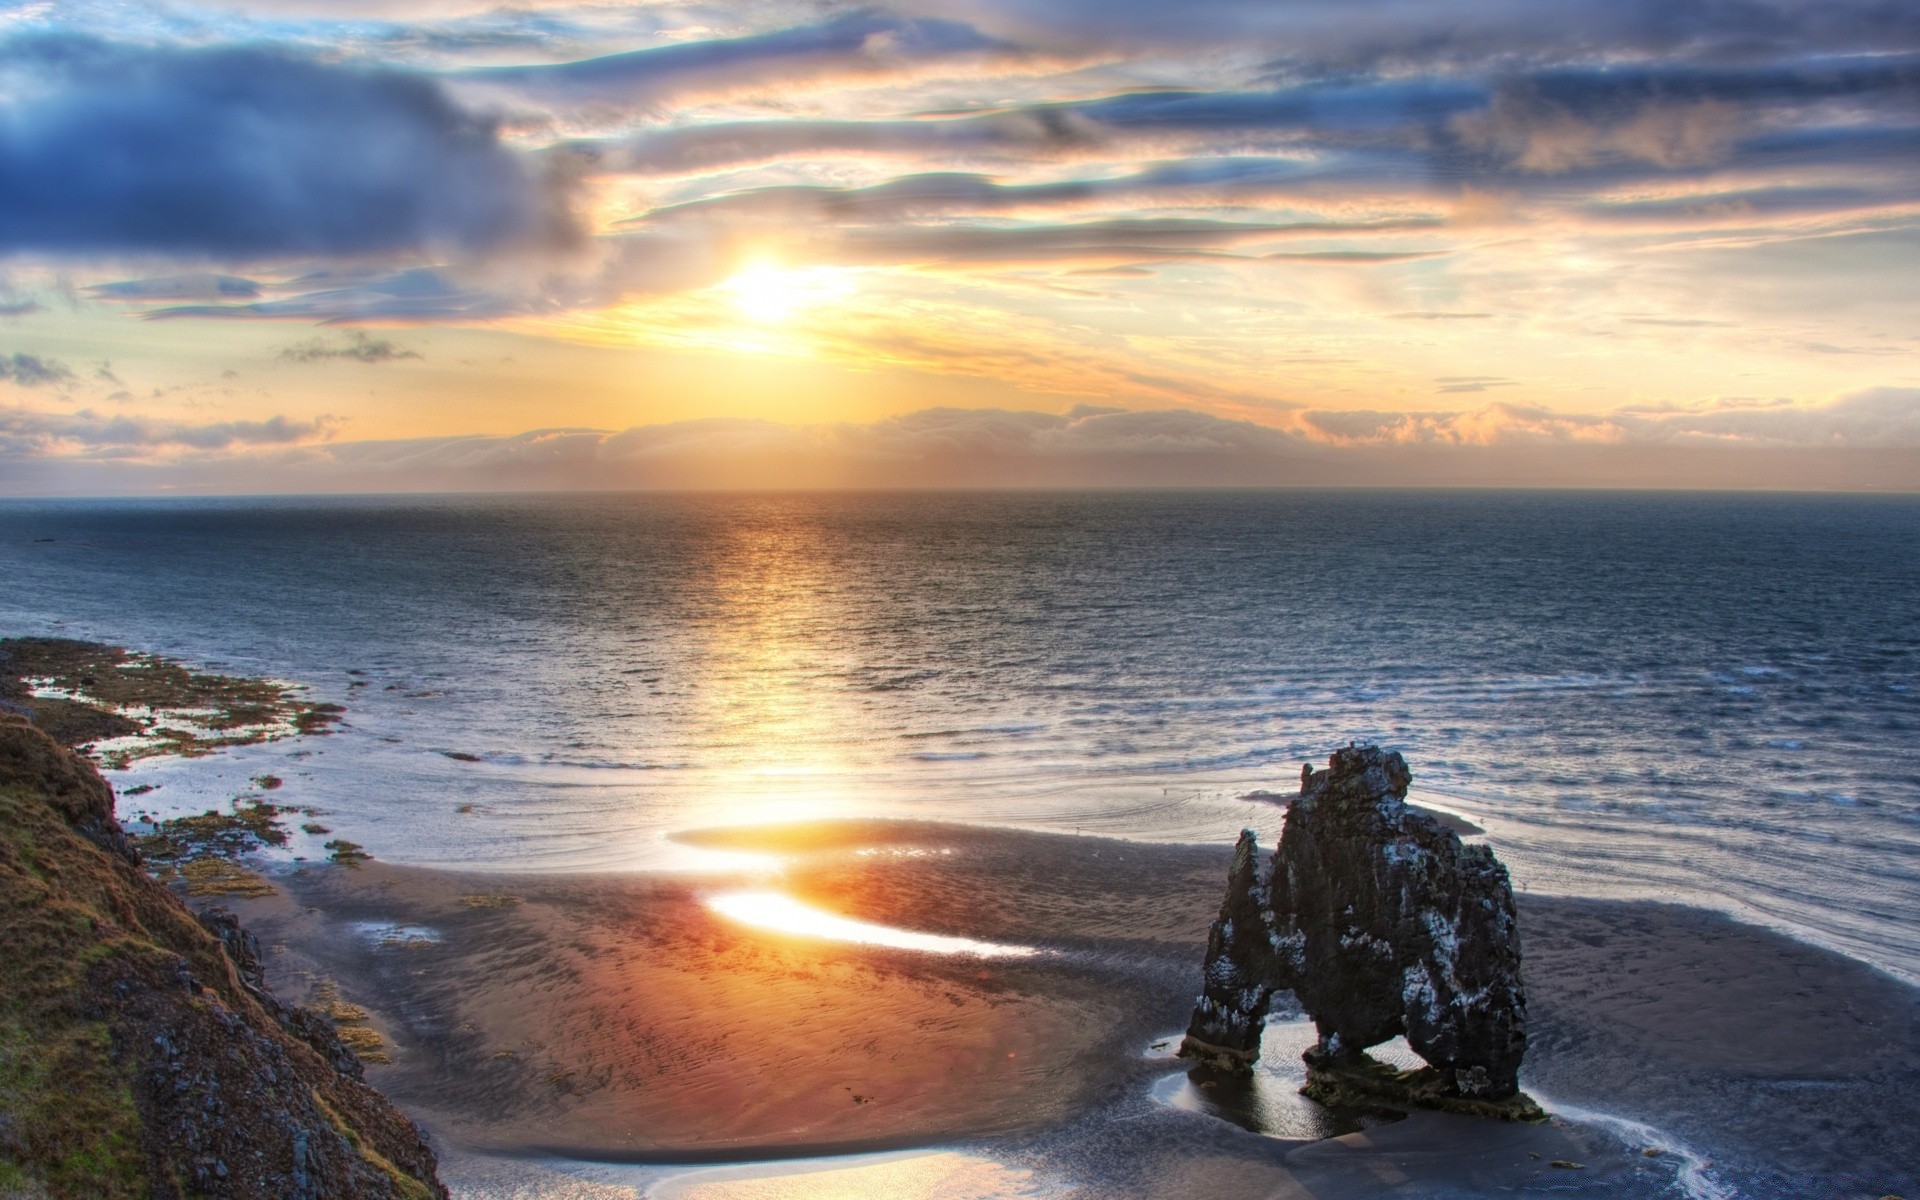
<point x="1382" y="922"/>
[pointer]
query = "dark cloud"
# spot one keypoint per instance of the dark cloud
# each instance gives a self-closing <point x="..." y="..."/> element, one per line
<point x="20" y="308"/>
<point x="245" y="152"/>
<point x="30" y="370"/>
<point x="1304" y="35"/>
<point x="855" y="44"/>
<point x="417" y="294"/>
<point x="357" y="347"/>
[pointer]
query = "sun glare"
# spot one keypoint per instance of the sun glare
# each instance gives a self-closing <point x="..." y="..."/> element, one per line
<point x="764" y="290"/>
<point x="778" y="912"/>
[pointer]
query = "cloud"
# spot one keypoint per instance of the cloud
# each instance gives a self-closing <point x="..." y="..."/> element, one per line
<point x="1128" y="239"/>
<point x="249" y="152"/>
<point x="917" y="196"/>
<point x="204" y="285"/>
<point x="851" y="45"/>
<point x="87" y="434"/>
<point x="1472" y="383"/>
<point x="1876" y="418"/>
<point x="1868" y="438"/>
<point x="357" y="347"/>
<point x="1660" y="146"/>
<point x="1377" y="34"/>
<point x="414" y="294"/>
<point x="30" y="370"/>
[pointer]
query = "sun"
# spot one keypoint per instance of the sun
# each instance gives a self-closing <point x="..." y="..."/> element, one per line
<point x="764" y="290"/>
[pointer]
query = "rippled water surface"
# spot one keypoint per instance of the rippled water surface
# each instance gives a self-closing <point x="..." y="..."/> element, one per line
<point x="1698" y="697"/>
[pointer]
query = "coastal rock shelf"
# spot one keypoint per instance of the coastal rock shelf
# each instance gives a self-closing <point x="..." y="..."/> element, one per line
<point x="1382" y="923"/>
<point x="118" y="706"/>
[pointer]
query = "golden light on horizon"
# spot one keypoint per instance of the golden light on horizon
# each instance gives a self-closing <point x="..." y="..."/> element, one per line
<point x="777" y="912"/>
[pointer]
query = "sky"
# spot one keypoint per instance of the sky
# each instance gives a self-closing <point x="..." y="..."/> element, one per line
<point x="365" y="245"/>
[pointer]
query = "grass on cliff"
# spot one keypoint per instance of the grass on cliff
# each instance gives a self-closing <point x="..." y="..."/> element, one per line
<point x="95" y="956"/>
<point x="71" y="1126"/>
<point x="350" y="1023"/>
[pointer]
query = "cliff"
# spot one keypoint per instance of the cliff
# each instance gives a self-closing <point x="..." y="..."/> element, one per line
<point x="140" y="1054"/>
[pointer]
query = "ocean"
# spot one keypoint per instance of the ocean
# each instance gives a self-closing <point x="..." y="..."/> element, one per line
<point x="1701" y="698"/>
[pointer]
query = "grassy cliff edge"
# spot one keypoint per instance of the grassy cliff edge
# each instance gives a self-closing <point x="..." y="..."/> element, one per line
<point x="140" y="1054"/>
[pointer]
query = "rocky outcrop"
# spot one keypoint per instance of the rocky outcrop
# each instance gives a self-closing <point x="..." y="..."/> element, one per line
<point x="1241" y="971"/>
<point x="140" y="1052"/>
<point x="1381" y="922"/>
<point x="120" y="705"/>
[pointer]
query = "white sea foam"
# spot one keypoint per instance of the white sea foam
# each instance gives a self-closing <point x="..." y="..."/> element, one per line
<point x="1695" y="1173"/>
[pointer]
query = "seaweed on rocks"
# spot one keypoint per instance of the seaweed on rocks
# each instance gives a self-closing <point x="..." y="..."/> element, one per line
<point x="120" y="706"/>
<point x="347" y="854"/>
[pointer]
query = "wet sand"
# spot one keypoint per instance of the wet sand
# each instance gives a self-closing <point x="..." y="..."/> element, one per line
<point x="619" y="1019"/>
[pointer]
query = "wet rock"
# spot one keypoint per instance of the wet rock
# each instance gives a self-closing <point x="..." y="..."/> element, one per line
<point x="1240" y="975"/>
<point x="1382" y="923"/>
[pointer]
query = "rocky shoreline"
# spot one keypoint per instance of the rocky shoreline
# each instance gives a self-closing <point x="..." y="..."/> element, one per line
<point x="141" y="1054"/>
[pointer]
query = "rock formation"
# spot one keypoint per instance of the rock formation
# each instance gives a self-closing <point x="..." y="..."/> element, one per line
<point x="1381" y="922"/>
<point x="140" y="1052"/>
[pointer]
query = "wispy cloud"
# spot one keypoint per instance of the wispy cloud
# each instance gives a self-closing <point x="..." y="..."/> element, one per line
<point x="853" y="45"/>
<point x="355" y="347"/>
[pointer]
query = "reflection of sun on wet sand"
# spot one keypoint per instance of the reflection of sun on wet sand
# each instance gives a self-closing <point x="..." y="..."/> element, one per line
<point x="625" y="1019"/>
<point x="939" y="1175"/>
<point x="626" y="1016"/>
<point x="777" y="912"/>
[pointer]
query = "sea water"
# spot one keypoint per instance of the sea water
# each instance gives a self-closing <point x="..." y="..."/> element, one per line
<point x="1705" y="698"/>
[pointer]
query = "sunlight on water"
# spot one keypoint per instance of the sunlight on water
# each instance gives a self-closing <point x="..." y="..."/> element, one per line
<point x="1109" y="664"/>
<point x="778" y="912"/>
<point x="784" y="740"/>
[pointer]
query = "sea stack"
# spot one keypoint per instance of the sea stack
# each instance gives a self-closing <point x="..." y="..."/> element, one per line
<point x="1381" y="922"/>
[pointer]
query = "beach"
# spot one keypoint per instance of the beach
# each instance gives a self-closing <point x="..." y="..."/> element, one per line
<point x="536" y="1021"/>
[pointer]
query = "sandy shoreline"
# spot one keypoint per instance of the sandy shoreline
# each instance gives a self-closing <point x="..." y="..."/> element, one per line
<point x="619" y="1019"/>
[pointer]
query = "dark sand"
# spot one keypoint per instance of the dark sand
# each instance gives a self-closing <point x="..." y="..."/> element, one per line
<point x="617" y="1018"/>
